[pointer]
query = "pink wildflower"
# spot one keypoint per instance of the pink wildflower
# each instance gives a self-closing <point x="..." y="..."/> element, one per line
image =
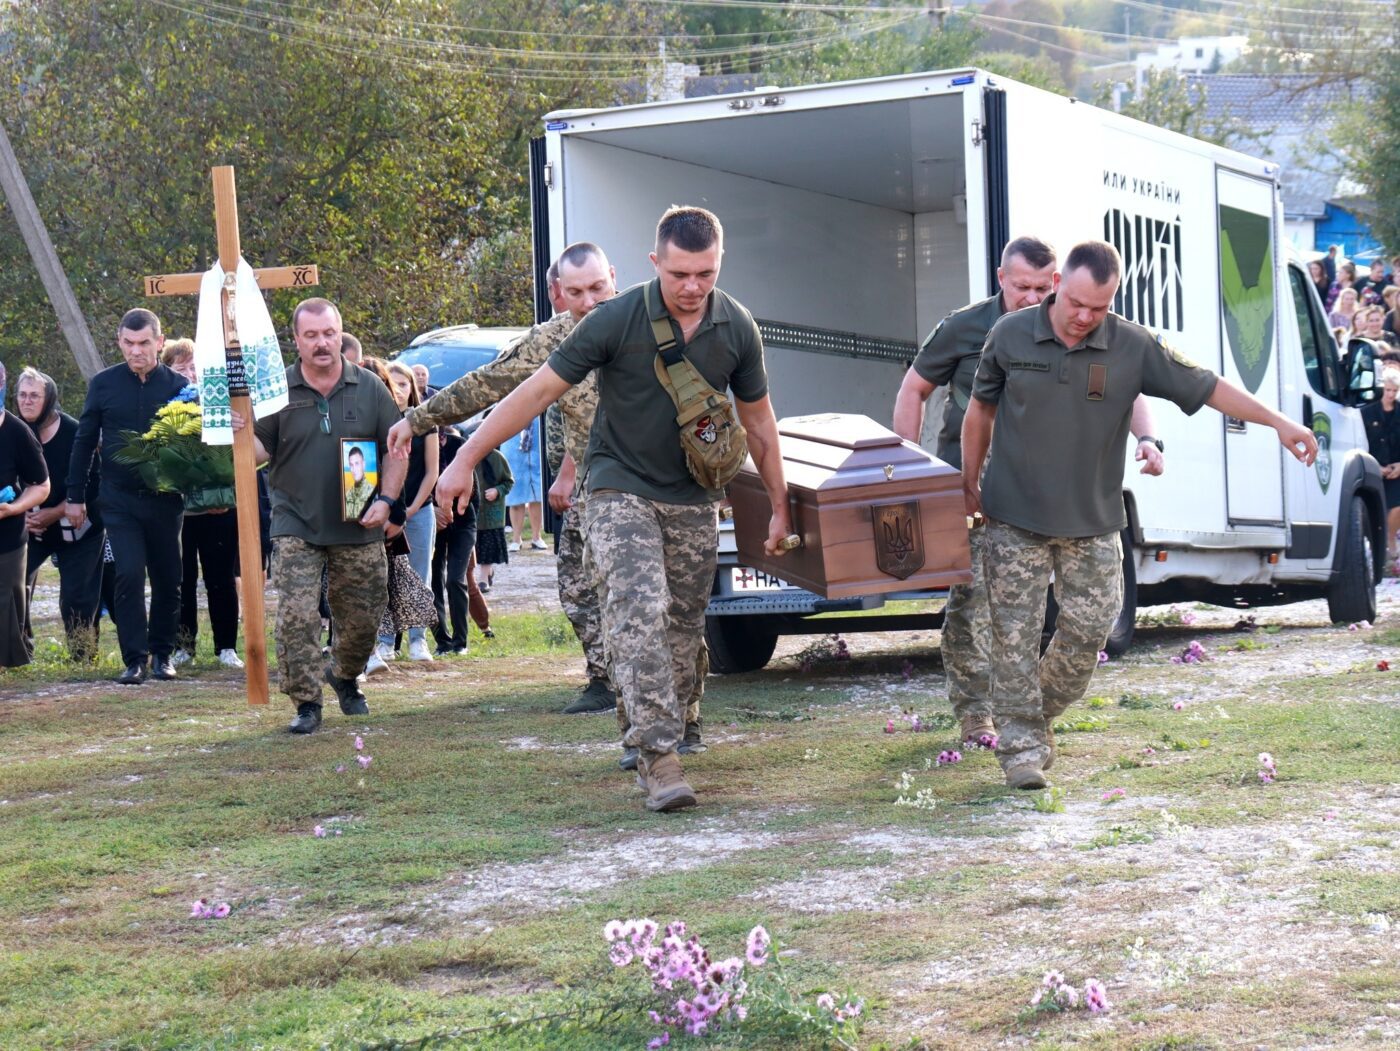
<point x="826" y="1002"/>
<point x="340" y="768"/>
<point x="612" y="930"/>
<point x="1115" y="794"/>
<point x="200" y="909"/>
<point x="221" y="910"/>
<point x="758" y="943"/>
<point x="1095" y="996"/>
<point x="1188" y="618"/>
<point x="947" y="758"/>
<point x="364" y="761"/>
<point x="319" y="832"/>
<point x="620" y="954"/>
<point x="987" y="741"/>
<point x="359" y="743"/>
<point x="1103" y="658"/>
<point x="889" y="726"/>
<point x="1149" y="750"/>
<point x="1266" y="777"/>
<point x="1178" y="705"/>
<point x="659" y="1042"/>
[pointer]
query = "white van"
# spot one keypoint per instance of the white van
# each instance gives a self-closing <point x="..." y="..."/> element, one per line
<point x="858" y="214"/>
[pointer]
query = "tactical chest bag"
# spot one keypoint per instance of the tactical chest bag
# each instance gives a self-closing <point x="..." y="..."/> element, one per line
<point x="714" y="442"/>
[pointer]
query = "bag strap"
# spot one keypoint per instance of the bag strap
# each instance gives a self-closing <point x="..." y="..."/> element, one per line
<point x="681" y="379"/>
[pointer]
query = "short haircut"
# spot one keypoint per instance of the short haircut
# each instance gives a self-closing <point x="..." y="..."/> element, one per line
<point x="690" y="229"/>
<point x="1038" y="254"/>
<point x="314" y="305"/>
<point x="577" y="254"/>
<point x="355" y="450"/>
<point x="176" y="350"/>
<point x="139" y="318"/>
<point x="551" y="276"/>
<point x="1100" y="258"/>
<point x="1348" y="268"/>
<point x="349" y="342"/>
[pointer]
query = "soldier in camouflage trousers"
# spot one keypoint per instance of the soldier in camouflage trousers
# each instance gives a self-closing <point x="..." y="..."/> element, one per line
<point x="1029" y="693"/>
<point x="654" y="607"/>
<point x="585" y="279"/>
<point x="650" y="526"/>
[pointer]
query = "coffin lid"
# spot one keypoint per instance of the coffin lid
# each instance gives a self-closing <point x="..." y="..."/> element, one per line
<point x="844" y="451"/>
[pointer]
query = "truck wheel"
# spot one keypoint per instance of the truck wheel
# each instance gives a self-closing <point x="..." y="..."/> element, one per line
<point x="738" y="645"/>
<point x="1351" y="596"/>
<point x="1120" y="636"/>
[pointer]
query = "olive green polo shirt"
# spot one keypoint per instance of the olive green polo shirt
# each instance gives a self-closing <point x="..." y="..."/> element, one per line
<point x="948" y="357"/>
<point x="305" y="470"/>
<point x="1055" y="466"/>
<point x="635" y="446"/>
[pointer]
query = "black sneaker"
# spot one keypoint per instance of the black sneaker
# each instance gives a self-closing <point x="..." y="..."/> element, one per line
<point x="308" y="718"/>
<point x="596" y="697"/>
<point x="347" y="691"/>
<point x="134" y="675"/>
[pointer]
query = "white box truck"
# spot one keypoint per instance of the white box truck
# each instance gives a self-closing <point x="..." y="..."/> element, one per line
<point x="858" y="214"/>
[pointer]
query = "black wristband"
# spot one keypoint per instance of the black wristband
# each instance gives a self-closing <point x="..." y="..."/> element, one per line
<point x="1161" y="445"/>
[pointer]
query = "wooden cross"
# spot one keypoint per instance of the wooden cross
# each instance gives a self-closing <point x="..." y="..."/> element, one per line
<point x="244" y="459"/>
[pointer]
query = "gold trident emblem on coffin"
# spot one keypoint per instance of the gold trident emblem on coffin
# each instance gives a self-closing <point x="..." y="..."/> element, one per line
<point x="899" y="542"/>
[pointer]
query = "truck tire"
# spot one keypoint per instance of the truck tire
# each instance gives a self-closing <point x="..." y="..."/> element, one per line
<point x="1351" y="596"/>
<point x="1120" y="636"/>
<point x="737" y="644"/>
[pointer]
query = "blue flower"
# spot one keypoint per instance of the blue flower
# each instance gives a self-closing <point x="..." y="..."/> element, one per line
<point x="189" y="393"/>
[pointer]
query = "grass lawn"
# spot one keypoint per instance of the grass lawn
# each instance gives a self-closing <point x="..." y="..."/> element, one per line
<point x="459" y="895"/>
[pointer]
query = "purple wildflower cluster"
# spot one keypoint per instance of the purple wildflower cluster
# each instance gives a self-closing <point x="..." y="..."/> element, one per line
<point x="716" y="989"/>
<point x="831" y="648"/>
<point x="1103" y="658"/>
<point x="1268" y="772"/>
<point x="987" y="741"/>
<point x="1113" y="795"/>
<point x="1360" y="625"/>
<point x="948" y="757"/>
<point x="1056" y="994"/>
<point x="1195" y="653"/>
<point x="204" y="909"/>
<point x="362" y="759"/>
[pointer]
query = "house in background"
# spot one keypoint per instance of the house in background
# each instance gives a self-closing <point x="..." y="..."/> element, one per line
<point x="1284" y="117"/>
<point x="1189" y="55"/>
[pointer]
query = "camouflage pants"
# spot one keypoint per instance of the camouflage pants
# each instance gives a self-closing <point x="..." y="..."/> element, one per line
<point x="358" y="577"/>
<point x="692" y="704"/>
<point x="578" y="591"/>
<point x="967" y="644"/>
<point x="1029" y="691"/>
<point x="656" y="565"/>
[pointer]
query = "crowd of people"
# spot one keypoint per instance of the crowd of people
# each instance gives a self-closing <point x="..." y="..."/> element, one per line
<point x="379" y="508"/>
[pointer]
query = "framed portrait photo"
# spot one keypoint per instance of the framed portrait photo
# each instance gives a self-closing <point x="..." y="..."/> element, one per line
<point x="359" y="476"/>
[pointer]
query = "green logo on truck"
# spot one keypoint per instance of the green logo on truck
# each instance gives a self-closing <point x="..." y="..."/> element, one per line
<point x="1247" y="291"/>
<point x="1322" y="427"/>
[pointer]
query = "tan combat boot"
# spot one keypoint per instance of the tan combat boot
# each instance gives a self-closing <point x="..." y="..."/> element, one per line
<point x="977" y="726"/>
<point x="665" y="782"/>
<point x="1026" y="776"/>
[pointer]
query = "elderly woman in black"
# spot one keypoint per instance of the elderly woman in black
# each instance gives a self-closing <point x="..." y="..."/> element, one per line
<point x="24" y="484"/>
<point x="78" y="554"/>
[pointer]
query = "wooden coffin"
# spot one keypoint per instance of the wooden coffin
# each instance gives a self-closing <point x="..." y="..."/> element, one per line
<point x="875" y="513"/>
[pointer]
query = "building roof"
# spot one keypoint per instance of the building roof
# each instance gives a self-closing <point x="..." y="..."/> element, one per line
<point x="1286" y="115"/>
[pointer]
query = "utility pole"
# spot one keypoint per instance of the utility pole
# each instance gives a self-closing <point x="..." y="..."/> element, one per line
<point x="936" y="11"/>
<point x="41" y="250"/>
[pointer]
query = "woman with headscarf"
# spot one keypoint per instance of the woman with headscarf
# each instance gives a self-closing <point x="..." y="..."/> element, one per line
<point x="24" y="485"/>
<point x="78" y="553"/>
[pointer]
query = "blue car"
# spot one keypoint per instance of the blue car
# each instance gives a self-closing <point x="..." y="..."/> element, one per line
<point x="450" y="353"/>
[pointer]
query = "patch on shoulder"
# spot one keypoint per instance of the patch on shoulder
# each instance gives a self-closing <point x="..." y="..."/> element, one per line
<point x="1176" y="355"/>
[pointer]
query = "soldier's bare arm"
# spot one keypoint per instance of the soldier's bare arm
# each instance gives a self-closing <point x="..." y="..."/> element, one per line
<point x="909" y="406"/>
<point x="507" y="420"/>
<point x="976" y="438"/>
<point x="1232" y="401"/>
<point x="762" y="426"/>
<point x="1144" y="423"/>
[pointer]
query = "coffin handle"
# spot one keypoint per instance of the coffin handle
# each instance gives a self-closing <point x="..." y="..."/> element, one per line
<point x="791" y="542"/>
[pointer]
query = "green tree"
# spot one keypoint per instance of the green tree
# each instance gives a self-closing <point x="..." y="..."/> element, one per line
<point x="367" y="139"/>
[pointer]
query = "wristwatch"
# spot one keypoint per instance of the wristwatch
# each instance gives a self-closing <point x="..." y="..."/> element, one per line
<point x="1161" y="445"/>
<point x="387" y="500"/>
